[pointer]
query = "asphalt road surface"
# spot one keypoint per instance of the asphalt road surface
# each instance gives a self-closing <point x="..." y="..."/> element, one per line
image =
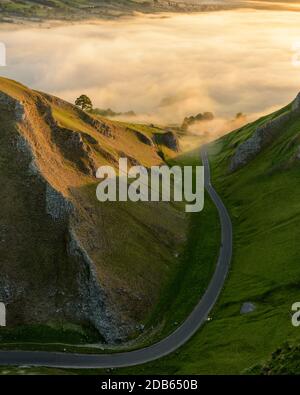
<point x="166" y="346"/>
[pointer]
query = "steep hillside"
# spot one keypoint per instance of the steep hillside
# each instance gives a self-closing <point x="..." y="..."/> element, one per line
<point x="262" y="194"/>
<point x="65" y="258"/>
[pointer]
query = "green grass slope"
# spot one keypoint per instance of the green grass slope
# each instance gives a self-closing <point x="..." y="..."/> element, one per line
<point x="263" y="200"/>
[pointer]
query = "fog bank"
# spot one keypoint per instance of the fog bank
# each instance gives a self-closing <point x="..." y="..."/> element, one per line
<point x="165" y="67"/>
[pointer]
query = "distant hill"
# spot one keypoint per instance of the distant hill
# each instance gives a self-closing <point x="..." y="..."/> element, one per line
<point x="109" y="113"/>
<point x="81" y="9"/>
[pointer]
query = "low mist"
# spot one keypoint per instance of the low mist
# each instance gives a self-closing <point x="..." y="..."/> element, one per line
<point x="165" y="68"/>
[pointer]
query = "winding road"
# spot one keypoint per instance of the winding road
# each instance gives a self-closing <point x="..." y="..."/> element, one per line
<point x="166" y="346"/>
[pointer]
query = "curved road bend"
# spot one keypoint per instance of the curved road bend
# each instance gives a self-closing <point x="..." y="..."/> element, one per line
<point x="181" y="335"/>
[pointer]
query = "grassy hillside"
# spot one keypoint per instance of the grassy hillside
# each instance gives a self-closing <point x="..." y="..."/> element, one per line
<point x="263" y="200"/>
<point x="57" y="240"/>
<point x="78" y="271"/>
<point x="262" y="197"/>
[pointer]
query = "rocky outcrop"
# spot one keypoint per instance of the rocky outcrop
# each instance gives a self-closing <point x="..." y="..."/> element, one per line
<point x="247" y="308"/>
<point x="144" y="139"/>
<point x="57" y="206"/>
<point x="263" y="136"/>
<point x="22" y="146"/>
<point x="74" y="145"/>
<point x="74" y="148"/>
<point x="9" y="104"/>
<point x="104" y="128"/>
<point x="169" y="139"/>
<point x="94" y="304"/>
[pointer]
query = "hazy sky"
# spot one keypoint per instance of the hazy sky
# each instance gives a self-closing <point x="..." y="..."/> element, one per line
<point x="224" y="62"/>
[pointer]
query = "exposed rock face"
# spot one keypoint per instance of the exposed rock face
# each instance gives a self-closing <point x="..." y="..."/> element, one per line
<point x="144" y="139"/>
<point x="23" y="147"/>
<point x="10" y="104"/>
<point x="57" y="206"/>
<point x="71" y="143"/>
<point x="169" y="139"/>
<point x="93" y="303"/>
<point x="100" y="126"/>
<point x="263" y="136"/>
<point x="74" y="148"/>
